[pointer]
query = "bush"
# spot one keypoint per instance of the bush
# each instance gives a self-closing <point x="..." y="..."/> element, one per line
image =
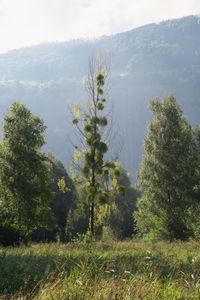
<point x="9" y="234"/>
<point x="107" y="234"/>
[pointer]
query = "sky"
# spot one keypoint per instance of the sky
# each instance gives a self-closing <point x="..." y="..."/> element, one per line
<point x="30" y="22"/>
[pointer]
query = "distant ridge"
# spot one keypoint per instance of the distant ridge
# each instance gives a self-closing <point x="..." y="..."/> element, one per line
<point x="148" y="61"/>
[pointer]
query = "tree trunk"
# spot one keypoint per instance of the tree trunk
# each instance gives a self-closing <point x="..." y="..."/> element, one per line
<point x="20" y="230"/>
<point x="92" y="218"/>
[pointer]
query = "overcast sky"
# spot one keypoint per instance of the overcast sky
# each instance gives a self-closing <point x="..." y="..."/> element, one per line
<point x="30" y="22"/>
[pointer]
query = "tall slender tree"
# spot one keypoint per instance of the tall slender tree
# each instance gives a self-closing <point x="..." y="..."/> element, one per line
<point x="90" y="124"/>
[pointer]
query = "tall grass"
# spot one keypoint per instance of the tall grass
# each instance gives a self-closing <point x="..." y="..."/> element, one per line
<point x="112" y="270"/>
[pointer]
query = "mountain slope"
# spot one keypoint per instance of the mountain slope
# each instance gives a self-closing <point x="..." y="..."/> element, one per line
<point x="147" y="62"/>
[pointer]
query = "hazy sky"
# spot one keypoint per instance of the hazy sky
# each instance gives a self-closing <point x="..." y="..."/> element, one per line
<point x="29" y="22"/>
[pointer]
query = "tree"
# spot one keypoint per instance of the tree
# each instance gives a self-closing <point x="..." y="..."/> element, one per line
<point x="116" y="215"/>
<point x="90" y="124"/>
<point x="62" y="203"/>
<point x="25" y="179"/>
<point x="168" y="173"/>
<point x="78" y="217"/>
<point x="194" y="210"/>
<point x="120" y="220"/>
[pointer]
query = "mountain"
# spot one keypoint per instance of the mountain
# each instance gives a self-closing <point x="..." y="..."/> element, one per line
<point x="148" y="61"/>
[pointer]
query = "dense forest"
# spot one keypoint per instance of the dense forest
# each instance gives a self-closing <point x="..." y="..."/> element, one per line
<point x="147" y="62"/>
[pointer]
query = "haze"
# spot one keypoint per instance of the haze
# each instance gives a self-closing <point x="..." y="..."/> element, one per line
<point x="29" y="22"/>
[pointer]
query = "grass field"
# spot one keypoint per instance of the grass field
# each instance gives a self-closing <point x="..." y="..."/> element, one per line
<point x="111" y="270"/>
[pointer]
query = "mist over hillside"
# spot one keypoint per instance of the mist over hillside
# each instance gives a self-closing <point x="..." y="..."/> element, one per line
<point x="148" y="61"/>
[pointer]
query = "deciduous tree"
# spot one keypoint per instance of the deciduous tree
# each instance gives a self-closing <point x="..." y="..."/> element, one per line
<point x="25" y="179"/>
<point x="168" y="173"/>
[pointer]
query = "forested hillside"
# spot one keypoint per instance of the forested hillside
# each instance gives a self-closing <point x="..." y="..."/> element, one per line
<point x="147" y="62"/>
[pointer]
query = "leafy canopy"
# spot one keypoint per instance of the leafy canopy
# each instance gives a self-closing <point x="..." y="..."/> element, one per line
<point x="167" y="174"/>
<point x="25" y="180"/>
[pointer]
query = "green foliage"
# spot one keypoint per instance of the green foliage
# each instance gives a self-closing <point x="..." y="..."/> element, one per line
<point x="116" y="173"/>
<point x="85" y="170"/>
<point x="78" y="217"/>
<point x="25" y="179"/>
<point x="87" y="128"/>
<point x="103" y="198"/>
<point x="168" y="173"/>
<point x="103" y="121"/>
<point x="114" y="206"/>
<point x="100" y="106"/>
<point x="75" y="121"/>
<point x="121" y="189"/>
<point x="62" y="185"/>
<point x="122" y="205"/>
<point x="110" y="165"/>
<point x="9" y="233"/>
<point x="64" y="197"/>
<point x="107" y="234"/>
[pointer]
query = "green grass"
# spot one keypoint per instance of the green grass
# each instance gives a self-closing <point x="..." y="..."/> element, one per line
<point x="112" y="270"/>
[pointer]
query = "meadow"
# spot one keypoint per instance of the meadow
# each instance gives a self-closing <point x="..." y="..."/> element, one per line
<point x="102" y="270"/>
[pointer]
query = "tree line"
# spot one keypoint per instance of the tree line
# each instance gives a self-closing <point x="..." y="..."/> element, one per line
<point x="40" y="202"/>
<point x="33" y="206"/>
